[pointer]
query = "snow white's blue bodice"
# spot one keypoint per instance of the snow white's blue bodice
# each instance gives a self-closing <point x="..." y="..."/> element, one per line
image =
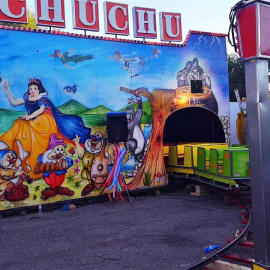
<point x="32" y="106"/>
<point x="69" y="125"/>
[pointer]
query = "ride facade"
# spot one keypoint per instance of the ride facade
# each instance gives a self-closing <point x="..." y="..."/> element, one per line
<point x="53" y="128"/>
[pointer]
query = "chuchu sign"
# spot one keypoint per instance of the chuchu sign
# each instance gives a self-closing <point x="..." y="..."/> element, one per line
<point x="51" y="13"/>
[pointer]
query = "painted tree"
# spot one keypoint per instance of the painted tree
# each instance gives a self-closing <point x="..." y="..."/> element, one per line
<point x="163" y="103"/>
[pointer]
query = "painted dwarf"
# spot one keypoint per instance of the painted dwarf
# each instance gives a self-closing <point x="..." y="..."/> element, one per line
<point x="95" y="161"/>
<point x="54" y="164"/>
<point x="12" y="177"/>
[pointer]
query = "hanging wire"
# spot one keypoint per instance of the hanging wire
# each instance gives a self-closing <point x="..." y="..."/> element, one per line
<point x="232" y="17"/>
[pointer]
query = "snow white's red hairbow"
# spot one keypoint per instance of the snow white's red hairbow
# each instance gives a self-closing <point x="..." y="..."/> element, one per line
<point x="31" y="80"/>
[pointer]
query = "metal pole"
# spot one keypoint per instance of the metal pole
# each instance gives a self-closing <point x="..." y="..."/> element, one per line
<point x="258" y="111"/>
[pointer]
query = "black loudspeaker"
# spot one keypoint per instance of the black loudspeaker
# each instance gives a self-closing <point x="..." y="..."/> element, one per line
<point x="196" y="86"/>
<point x="117" y="127"/>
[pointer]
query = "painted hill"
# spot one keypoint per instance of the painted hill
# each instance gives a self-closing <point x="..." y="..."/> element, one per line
<point x="147" y="112"/>
<point x="7" y="112"/>
<point x="7" y="118"/>
<point x="72" y="107"/>
<point x="91" y="117"/>
<point x="96" y="116"/>
<point x="146" y="108"/>
<point x="99" y="110"/>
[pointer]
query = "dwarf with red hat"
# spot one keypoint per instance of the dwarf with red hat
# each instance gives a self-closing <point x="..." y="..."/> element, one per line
<point x="54" y="164"/>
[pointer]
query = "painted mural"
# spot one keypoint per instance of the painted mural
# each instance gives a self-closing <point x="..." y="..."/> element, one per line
<point x="56" y="91"/>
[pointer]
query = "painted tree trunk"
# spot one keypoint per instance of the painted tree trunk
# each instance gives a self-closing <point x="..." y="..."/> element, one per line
<point x="153" y="165"/>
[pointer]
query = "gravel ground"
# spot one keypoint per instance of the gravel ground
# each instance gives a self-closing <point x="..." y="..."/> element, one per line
<point x="168" y="231"/>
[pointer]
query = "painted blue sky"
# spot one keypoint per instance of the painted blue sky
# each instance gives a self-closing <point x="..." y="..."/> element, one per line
<point x="26" y="55"/>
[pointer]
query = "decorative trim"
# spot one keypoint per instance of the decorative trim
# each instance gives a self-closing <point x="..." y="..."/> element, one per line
<point x="56" y="32"/>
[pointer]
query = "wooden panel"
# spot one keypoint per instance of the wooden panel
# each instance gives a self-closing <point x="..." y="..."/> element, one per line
<point x="221" y="265"/>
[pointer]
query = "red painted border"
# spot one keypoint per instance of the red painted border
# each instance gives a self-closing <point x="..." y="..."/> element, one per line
<point x="113" y="39"/>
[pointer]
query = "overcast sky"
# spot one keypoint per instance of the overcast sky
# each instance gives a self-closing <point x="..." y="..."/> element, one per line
<point x="199" y="15"/>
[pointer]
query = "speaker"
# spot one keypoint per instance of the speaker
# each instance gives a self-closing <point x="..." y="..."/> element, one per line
<point x="117" y="127"/>
<point x="196" y="86"/>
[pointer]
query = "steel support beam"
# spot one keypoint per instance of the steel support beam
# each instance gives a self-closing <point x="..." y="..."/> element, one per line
<point x="258" y="111"/>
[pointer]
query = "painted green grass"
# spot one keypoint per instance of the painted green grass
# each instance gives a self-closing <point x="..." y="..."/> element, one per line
<point x="147" y="179"/>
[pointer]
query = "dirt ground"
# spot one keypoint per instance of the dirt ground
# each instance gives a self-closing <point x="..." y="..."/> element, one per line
<point x="168" y="231"/>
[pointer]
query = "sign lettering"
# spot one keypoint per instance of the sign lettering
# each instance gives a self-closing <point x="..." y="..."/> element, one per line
<point x="116" y="18"/>
<point x="170" y="26"/>
<point x="13" y="11"/>
<point x="85" y="13"/>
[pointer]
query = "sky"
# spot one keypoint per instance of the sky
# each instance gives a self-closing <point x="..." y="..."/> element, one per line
<point x="198" y="15"/>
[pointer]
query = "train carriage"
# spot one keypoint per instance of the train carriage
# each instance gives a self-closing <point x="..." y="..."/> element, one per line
<point x="215" y="164"/>
<point x="182" y="158"/>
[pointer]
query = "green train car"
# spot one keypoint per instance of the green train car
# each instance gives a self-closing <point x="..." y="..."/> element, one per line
<point x="182" y="158"/>
<point x="215" y="164"/>
<point x="228" y="165"/>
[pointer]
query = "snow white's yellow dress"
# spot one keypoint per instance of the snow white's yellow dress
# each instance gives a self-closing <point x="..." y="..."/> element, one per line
<point x="30" y="138"/>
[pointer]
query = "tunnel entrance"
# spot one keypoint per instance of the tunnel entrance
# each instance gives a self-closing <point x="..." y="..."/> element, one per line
<point x="193" y="124"/>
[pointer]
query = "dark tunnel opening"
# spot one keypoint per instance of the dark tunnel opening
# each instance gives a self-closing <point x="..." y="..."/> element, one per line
<point x="193" y="125"/>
